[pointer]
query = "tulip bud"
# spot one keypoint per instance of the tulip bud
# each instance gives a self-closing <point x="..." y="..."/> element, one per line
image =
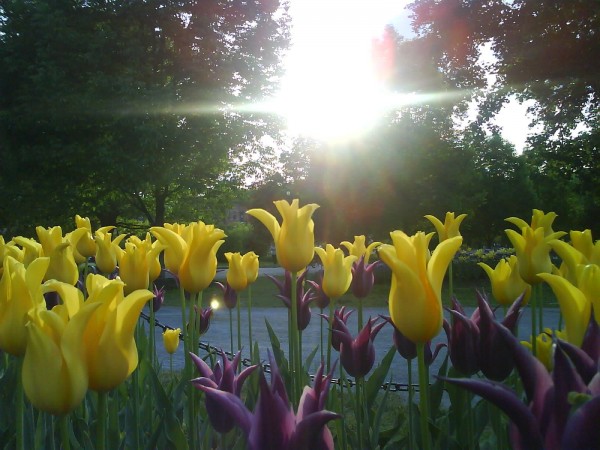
<point x="171" y="340"/>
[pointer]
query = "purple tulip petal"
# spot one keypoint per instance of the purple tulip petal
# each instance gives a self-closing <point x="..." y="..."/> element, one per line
<point x="232" y="405"/>
<point x="509" y="402"/>
<point x="202" y="367"/>
<point x="591" y="340"/>
<point x="241" y="378"/>
<point x="586" y="367"/>
<point x="309" y="430"/>
<point x="582" y="431"/>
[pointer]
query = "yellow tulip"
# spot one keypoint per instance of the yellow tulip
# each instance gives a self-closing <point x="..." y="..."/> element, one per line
<point x="55" y="378"/>
<point x="294" y="238"/>
<point x="358" y="248"/>
<point x="32" y="250"/>
<point x="243" y="270"/>
<point x="199" y="265"/>
<point x="415" y="299"/>
<point x="9" y="249"/>
<point x="337" y="270"/>
<point x="533" y="251"/>
<point x="507" y="284"/>
<point x="582" y="241"/>
<point x="171" y="340"/>
<point x="545" y="347"/>
<point x="111" y="353"/>
<point x="571" y="258"/>
<point x="588" y="282"/>
<point x="107" y="250"/>
<point x="574" y="306"/>
<point x="449" y="228"/>
<point x="133" y="267"/>
<point x="539" y="219"/>
<point x="174" y="244"/>
<point x="58" y="248"/>
<point x="20" y="291"/>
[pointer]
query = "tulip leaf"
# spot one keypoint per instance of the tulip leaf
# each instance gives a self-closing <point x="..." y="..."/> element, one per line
<point x="278" y="354"/>
<point x="377" y="378"/>
<point x="308" y="362"/>
<point x="436" y="391"/>
<point x="376" y="423"/>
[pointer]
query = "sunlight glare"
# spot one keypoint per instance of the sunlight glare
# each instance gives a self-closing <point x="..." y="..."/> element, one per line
<point x="214" y="304"/>
<point x="330" y="90"/>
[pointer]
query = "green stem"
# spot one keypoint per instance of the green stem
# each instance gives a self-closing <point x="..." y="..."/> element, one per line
<point x="296" y="364"/>
<point x="239" y="324"/>
<point x="64" y="432"/>
<point x="330" y="334"/>
<point x="358" y="411"/>
<point x="321" y="340"/>
<point x="424" y="397"/>
<point x="20" y="407"/>
<point x="152" y="336"/>
<point x="136" y="407"/>
<point x="231" y="329"/>
<point x="101" y="430"/>
<point x="533" y="320"/>
<point x="360" y="315"/>
<point x="250" y="322"/>
<point x="540" y="306"/>
<point x="342" y="386"/>
<point x="410" y="403"/>
<point x="171" y="363"/>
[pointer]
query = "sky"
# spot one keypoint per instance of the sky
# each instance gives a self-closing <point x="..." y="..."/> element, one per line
<point x="320" y="75"/>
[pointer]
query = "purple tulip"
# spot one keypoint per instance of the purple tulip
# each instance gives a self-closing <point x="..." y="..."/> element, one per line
<point x="408" y="349"/>
<point x="229" y="295"/>
<point x="545" y="421"/>
<point x="587" y="358"/>
<point x="304" y="298"/>
<point x="202" y="319"/>
<point x="340" y="319"/>
<point x="591" y="339"/>
<point x="158" y="299"/>
<point x="222" y="378"/>
<point x="320" y="298"/>
<point x="495" y="357"/>
<point x="273" y="424"/>
<point x="363" y="277"/>
<point x="358" y="354"/>
<point x="463" y="339"/>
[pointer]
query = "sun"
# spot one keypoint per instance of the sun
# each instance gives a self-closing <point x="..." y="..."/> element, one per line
<point x="331" y="90"/>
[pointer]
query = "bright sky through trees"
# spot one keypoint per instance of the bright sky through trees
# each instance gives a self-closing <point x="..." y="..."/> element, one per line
<point x="330" y="91"/>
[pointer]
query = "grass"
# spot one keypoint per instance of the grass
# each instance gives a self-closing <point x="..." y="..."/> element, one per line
<point x="264" y="294"/>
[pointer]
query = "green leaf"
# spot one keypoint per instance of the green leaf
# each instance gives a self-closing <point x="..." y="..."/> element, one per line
<point x="377" y="378"/>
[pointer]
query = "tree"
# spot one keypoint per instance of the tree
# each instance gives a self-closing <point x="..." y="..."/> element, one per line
<point x="128" y="109"/>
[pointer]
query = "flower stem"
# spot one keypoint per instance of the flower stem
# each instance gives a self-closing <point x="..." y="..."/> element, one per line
<point x="330" y="334"/>
<point x="534" y="333"/>
<point x="424" y="397"/>
<point x="250" y="322"/>
<point x="64" y="432"/>
<point x="239" y="324"/>
<point x="101" y="430"/>
<point x="297" y="357"/>
<point x="231" y="329"/>
<point x="410" y="408"/>
<point x="360" y="315"/>
<point x="20" y="407"/>
<point x="358" y="411"/>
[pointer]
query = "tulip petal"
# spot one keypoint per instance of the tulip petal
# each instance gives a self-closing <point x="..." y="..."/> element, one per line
<point x="267" y="219"/>
<point x="582" y="431"/>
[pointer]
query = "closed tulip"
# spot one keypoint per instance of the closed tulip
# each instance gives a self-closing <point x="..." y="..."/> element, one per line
<point x="31" y="250"/>
<point x="107" y="250"/>
<point x="133" y="267"/>
<point x="583" y="242"/>
<point x="111" y="353"/>
<point x="243" y="270"/>
<point x="533" y="251"/>
<point x="507" y="284"/>
<point x="9" y="249"/>
<point x="20" y="291"/>
<point x="62" y="262"/>
<point x="337" y="270"/>
<point x="415" y="299"/>
<point x="359" y="249"/>
<point x="171" y="236"/>
<point x="539" y="219"/>
<point x="449" y="228"/>
<point x="294" y="238"/>
<point x="54" y="373"/>
<point x="82" y="240"/>
<point x="152" y="250"/>
<point x="171" y="340"/>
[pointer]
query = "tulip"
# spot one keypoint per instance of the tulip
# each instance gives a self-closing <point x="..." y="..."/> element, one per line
<point x="544" y="422"/>
<point x="539" y="219"/>
<point x="243" y="270"/>
<point x="407" y="349"/>
<point x="586" y="358"/>
<point x="133" y="267"/>
<point x="192" y="256"/>
<point x="222" y="378"/>
<point x="449" y="228"/>
<point x="62" y="263"/>
<point x="107" y="250"/>
<point x="203" y="318"/>
<point x="54" y="375"/>
<point x="111" y="353"/>
<point x="337" y="269"/>
<point x="358" y="355"/>
<point x="152" y="250"/>
<point x="320" y="298"/>
<point x="158" y="299"/>
<point x="171" y="340"/>
<point x="507" y="284"/>
<point x="545" y="347"/>
<point x="358" y="248"/>
<point x="338" y="324"/>
<point x="32" y="250"/>
<point x="273" y="424"/>
<point x="20" y="291"/>
<point x="10" y="249"/>
<point x="574" y="306"/>
<point x="294" y="238"/>
<point x="81" y="240"/>
<point x="230" y="297"/>
<point x="305" y="298"/>
<point x="415" y="295"/>
<point x="583" y="242"/>
<point x="463" y="340"/>
<point x="533" y="251"/>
